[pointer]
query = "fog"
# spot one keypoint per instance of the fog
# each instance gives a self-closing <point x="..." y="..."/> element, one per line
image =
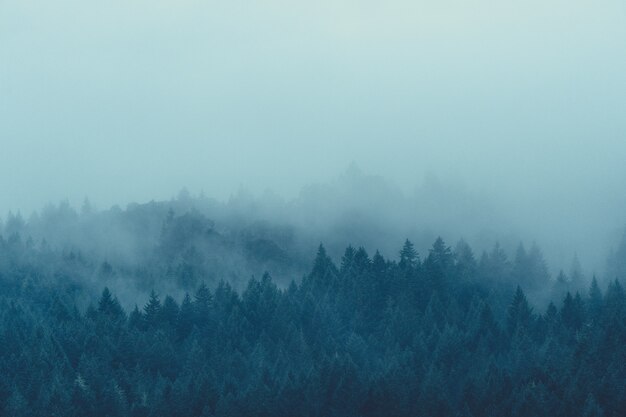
<point x="509" y="117"/>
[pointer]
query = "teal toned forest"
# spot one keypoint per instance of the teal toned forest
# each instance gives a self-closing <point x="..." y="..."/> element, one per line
<point x="443" y="333"/>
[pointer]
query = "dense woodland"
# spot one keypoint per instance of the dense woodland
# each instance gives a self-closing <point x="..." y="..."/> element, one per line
<point x="442" y="333"/>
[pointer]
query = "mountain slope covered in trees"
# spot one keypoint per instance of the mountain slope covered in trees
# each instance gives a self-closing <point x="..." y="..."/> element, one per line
<point x="440" y="335"/>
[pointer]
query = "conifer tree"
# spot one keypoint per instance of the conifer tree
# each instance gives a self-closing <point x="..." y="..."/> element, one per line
<point x="409" y="258"/>
<point x="109" y="305"/>
<point x="186" y="317"/>
<point x="519" y="312"/>
<point x="152" y="311"/>
<point x="203" y="302"/>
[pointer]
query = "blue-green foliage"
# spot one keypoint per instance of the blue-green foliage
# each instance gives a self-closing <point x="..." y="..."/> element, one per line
<point x="446" y="336"/>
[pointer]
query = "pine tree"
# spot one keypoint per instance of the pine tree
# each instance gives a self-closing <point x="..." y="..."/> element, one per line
<point x="136" y="319"/>
<point x="519" y="312"/>
<point x="379" y="265"/>
<point x="495" y="267"/>
<point x="203" y="303"/>
<point x="538" y="275"/>
<point x="561" y="285"/>
<point x="438" y="266"/>
<point x="152" y="311"/>
<point x="169" y="311"/>
<point x="186" y="317"/>
<point x="109" y="305"/>
<point x="347" y="258"/>
<point x="409" y="258"/>
<point x="323" y="274"/>
<point x="572" y="312"/>
<point x="595" y="303"/>
<point x="466" y="266"/>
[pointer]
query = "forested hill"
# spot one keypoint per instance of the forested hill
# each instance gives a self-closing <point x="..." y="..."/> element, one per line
<point x="169" y="246"/>
<point x="439" y="335"/>
<point x="172" y="246"/>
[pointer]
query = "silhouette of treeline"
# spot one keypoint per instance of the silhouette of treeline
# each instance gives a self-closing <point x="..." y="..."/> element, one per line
<point x="172" y="246"/>
<point x="442" y="335"/>
<point x="165" y="245"/>
<point x="247" y="234"/>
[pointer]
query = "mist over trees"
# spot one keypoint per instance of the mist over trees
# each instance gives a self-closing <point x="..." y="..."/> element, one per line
<point x="195" y="307"/>
<point x="172" y="245"/>
<point x="475" y="268"/>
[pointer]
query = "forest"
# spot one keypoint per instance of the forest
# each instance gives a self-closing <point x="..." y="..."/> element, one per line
<point x="312" y="208"/>
<point x="446" y="332"/>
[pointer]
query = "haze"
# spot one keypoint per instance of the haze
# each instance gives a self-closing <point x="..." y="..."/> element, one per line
<point x="522" y="103"/>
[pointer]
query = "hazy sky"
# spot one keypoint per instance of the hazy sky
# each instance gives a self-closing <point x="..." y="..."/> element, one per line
<point x="124" y="100"/>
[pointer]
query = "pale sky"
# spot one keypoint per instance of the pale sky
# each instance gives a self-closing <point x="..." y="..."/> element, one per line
<point x="132" y="100"/>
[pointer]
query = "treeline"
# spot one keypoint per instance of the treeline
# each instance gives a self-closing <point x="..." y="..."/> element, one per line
<point x="445" y="335"/>
<point x="167" y="246"/>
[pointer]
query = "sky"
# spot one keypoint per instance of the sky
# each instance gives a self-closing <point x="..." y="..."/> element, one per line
<point x="132" y="100"/>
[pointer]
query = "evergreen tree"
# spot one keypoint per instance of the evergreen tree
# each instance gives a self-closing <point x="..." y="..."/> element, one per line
<point x="152" y="311"/>
<point x="466" y="265"/>
<point x="203" y="302"/>
<point x="495" y="267"/>
<point x="109" y="305"/>
<point x="538" y="275"/>
<point x="572" y="312"/>
<point x="519" y="312"/>
<point x="409" y="258"/>
<point x="346" y="260"/>
<point x="169" y="311"/>
<point x="136" y="319"/>
<point x="186" y="317"/>
<point x="596" y="301"/>
<point x="324" y="272"/>
<point x="439" y="266"/>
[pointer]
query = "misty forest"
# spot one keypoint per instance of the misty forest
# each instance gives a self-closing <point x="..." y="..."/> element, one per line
<point x="327" y="208"/>
<point x="154" y="310"/>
